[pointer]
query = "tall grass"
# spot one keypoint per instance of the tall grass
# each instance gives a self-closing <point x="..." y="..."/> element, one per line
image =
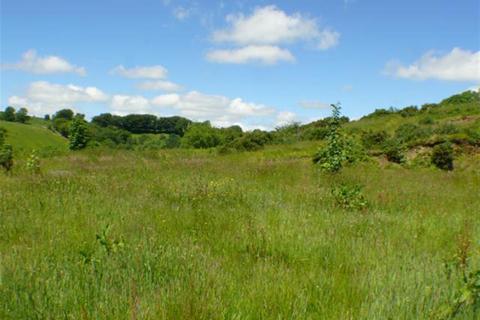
<point x="193" y="235"/>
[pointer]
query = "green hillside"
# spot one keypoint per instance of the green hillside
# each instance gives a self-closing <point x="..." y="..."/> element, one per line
<point x="27" y="137"/>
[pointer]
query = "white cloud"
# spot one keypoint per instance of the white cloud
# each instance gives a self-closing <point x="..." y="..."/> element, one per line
<point x="147" y="72"/>
<point x="474" y="88"/>
<point x="457" y="65"/>
<point x="314" y="104"/>
<point x="43" y="97"/>
<point x="44" y="65"/>
<point x="269" y="26"/>
<point x="161" y="85"/>
<point x="181" y="13"/>
<point x="166" y="100"/>
<point x="262" y="54"/>
<point x="285" y="117"/>
<point x="125" y="104"/>
<point x="220" y="110"/>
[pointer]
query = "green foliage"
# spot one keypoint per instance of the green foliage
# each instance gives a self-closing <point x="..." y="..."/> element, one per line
<point x="394" y="151"/>
<point x="465" y="97"/>
<point x="107" y="242"/>
<point x="427" y="120"/>
<point x="6" y="157"/>
<point x="408" y="111"/>
<point x="447" y="128"/>
<point x="66" y="114"/>
<point x="33" y="163"/>
<point x="3" y="134"/>
<point x="374" y="138"/>
<point x="443" y="156"/>
<point x="22" y="116"/>
<point x="78" y="133"/>
<point x="201" y="136"/>
<point x="251" y="141"/>
<point x="62" y="126"/>
<point x="409" y="132"/>
<point x="332" y="157"/>
<point x="349" y="197"/>
<point x="8" y="114"/>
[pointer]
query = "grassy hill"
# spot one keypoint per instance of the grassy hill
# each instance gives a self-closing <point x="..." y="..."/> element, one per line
<point x="35" y="135"/>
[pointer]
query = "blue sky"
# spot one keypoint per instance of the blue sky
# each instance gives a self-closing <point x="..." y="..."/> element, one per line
<point x="254" y="63"/>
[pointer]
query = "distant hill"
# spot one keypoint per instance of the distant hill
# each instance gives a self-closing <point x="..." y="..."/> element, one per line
<point x="26" y="137"/>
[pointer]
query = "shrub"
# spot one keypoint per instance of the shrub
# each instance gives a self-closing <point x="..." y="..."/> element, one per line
<point x="251" y="141"/>
<point x="349" y="197"/>
<point x="410" y="132"/>
<point x="426" y="120"/>
<point x="374" y="138"/>
<point x="409" y="111"/>
<point x="442" y="156"/>
<point x="394" y="151"/>
<point x="33" y="163"/>
<point x="333" y="155"/>
<point x="6" y="157"/>
<point x="447" y="128"/>
<point x="201" y="136"/>
<point x="78" y="135"/>
<point x="315" y="133"/>
<point x="3" y="134"/>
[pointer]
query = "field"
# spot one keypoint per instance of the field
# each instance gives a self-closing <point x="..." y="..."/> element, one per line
<point x="184" y="234"/>
<point x="33" y="136"/>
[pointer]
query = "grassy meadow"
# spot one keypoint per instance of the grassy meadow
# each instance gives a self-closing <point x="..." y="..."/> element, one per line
<point x="190" y="234"/>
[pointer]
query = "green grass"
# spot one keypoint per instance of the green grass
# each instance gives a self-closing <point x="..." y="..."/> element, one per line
<point x="26" y="137"/>
<point x="194" y="235"/>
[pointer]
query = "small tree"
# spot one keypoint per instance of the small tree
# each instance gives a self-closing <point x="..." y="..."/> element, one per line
<point x="334" y="154"/>
<point x="442" y="156"/>
<point x="22" y="115"/>
<point x="33" y="163"/>
<point x="9" y="114"/>
<point x="78" y="135"/>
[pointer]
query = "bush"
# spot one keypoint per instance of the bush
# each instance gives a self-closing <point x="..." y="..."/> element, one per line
<point x="201" y="136"/>
<point x="3" y="134"/>
<point x="332" y="157"/>
<point x="409" y="111"/>
<point x="442" y="156"/>
<point x="447" y="128"/>
<point x="426" y="120"/>
<point x="394" y="151"/>
<point x="6" y="157"/>
<point x="33" y="163"/>
<point x="78" y="135"/>
<point x="374" y="138"/>
<point x="349" y="197"/>
<point x="410" y="132"/>
<point x="315" y="133"/>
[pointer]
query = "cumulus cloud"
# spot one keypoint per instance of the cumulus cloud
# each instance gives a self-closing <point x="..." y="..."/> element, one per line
<point x="270" y="26"/>
<point x="125" y="104"/>
<point x="457" y="65"/>
<point x="198" y="106"/>
<point x="44" y="97"/>
<point x="160" y="85"/>
<point x="33" y="63"/>
<point x="166" y="100"/>
<point x="145" y="72"/>
<point x="313" y="104"/>
<point x="262" y="54"/>
<point x="285" y="117"/>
